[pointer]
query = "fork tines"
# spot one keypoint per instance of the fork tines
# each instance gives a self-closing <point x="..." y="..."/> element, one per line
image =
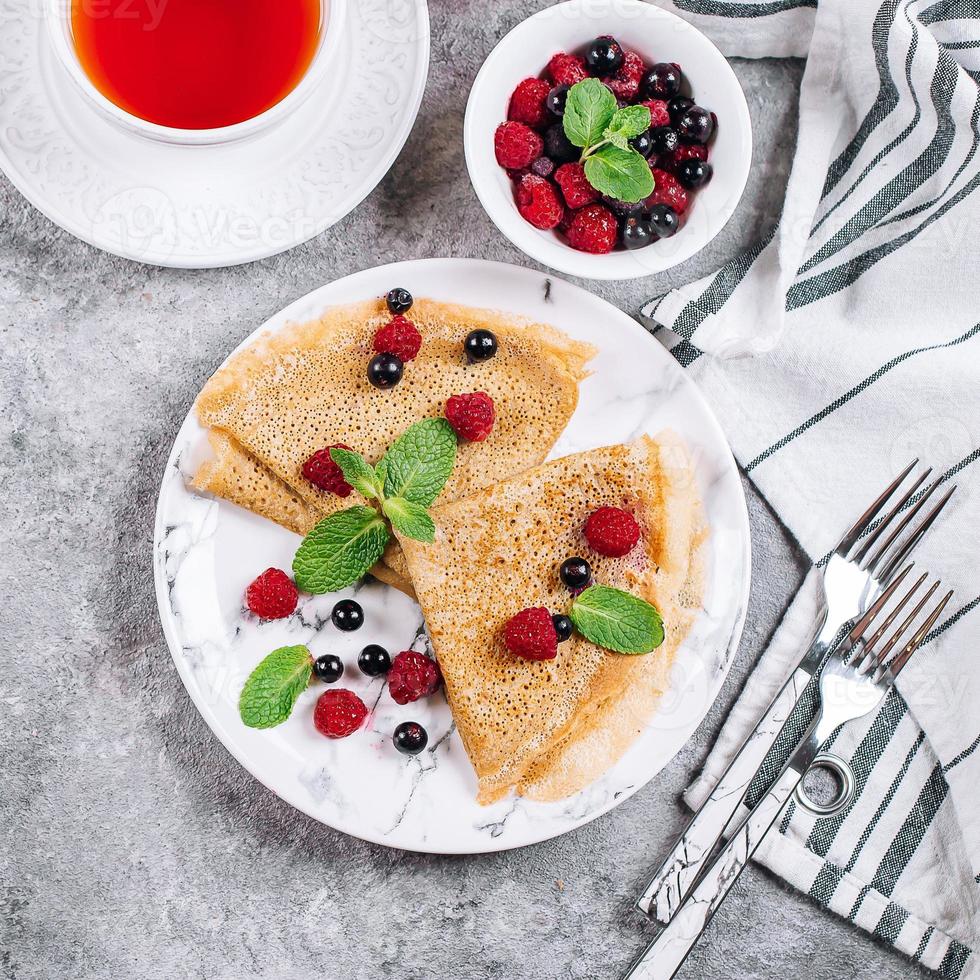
<point x="882" y="544"/>
<point x="867" y="653"/>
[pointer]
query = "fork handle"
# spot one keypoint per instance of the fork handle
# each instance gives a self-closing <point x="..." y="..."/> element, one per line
<point x="664" y="956"/>
<point x="684" y="864"/>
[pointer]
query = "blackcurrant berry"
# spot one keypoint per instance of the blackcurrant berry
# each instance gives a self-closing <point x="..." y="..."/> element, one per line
<point x="410" y="737"/>
<point x="374" y="660"/>
<point x="664" y="221"/>
<point x="664" y="139"/>
<point x="563" y="627"/>
<point x="604" y="56"/>
<point x="693" y="174"/>
<point x="480" y="345"/>
<point x="636" y="233"/>
<point x="556" y="100"/>
<point x="643" y="144"/>
<point x="385" y="370"/>
<point x="558" y="146"/>
<point x="695" y="125"/>
<point x="399" y="300"/>
<point x="328" y="668"/>
<point x="576" y="572"/>
<point x="347" y="615"/>
<point x="677" y="106"/>
<point x="662" y="81"/>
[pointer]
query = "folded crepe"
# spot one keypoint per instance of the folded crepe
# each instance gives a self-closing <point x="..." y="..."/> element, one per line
<point x="549" y="728"/>
<point x="236" y="475"/>
<point x="275" y="403"/>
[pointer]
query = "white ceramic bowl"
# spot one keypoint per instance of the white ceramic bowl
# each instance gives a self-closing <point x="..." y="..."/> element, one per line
<point x="655" y="35"/>
<point x="332" y="13"/>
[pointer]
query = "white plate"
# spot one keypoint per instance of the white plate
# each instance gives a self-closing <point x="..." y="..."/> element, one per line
<point x="207" y="551"/>
<point x="201" y="207"/>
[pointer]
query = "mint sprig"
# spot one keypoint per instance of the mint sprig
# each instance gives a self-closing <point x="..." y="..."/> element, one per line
<point x="622" y="174"/>
<point x="408" y="478"/>
<point x="340" y="550"/>
<point x="589" y="109"/>
<point x="410" y="519"/>
<point x="419" y="461"/>
<point x="617" y="620"/>
<point x="626" y="123"/>
<point x="593" y="122"/>
<point x="358" y="472"/>
<point x="271" y="690"/>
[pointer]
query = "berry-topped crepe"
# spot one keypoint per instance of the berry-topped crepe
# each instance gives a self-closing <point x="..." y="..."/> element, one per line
<point x="357" y="378"/>
<point x="555" y="602"/>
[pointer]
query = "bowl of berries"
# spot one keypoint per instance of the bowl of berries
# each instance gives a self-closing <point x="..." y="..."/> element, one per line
<point x="608" y="139"/>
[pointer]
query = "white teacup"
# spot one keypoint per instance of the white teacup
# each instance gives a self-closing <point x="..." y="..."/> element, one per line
<point x="332" y="15"/>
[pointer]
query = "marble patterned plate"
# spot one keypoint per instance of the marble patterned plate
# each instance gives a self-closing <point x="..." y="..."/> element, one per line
<point x="207" y="551"/>
<point x="202" y="207"/>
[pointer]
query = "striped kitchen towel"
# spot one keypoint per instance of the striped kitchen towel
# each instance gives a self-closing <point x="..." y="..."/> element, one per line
<point x="844" y="344"/>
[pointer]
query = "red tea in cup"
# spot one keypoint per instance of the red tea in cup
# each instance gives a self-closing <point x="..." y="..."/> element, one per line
<point x="195" y="64"/>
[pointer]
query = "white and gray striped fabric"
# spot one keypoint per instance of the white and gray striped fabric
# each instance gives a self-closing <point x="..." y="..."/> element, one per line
<point x="842" y="346"/>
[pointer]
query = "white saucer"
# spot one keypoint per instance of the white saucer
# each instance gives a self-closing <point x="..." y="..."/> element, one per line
<point x="201" y="207"/>
<point x="206" y="552"/>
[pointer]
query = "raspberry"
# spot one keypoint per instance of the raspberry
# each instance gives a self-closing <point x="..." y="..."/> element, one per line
<point x="686" y="151"/>
<point x="400" y="337"/>
<point x="517" y="174"/>
<point x="659" y="114"/>
<point x="272" y="595"/>
<point x="574" y="185"/>
<point x="567" y="69"/>
<point x="527" y="103"/>
<point x="593" y="229"/>
<point x="538" y="202"/>
<point x="412" y="676"/>
<point x="626" y="82"/>
<point x="339" y="713"/>
<point x="667" y="191"/>
<point x="612" y="532"/>
<point x="325" y="474"/>
<point x="472" y="416"/>
<point x="531" y="634"/>
<point x="516" y="145"/>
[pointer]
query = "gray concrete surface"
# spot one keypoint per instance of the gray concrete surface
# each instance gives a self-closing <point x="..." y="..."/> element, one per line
<point x="131" y="843"/>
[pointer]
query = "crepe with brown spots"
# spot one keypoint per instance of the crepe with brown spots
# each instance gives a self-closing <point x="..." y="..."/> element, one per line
<point x="549" y="728"/>
<point x="293" y="392"/>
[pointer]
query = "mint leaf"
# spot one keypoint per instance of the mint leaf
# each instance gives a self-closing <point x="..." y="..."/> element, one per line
<point x="588" y="110"/>
<point x="627" y="122"/>
<point x="622" y="174"/>
<point x="419" y="461"/>
<point x="340" y="550"/>
<point x="410" y="519"/>
<point x="381" y="472"/>
<point x="273" y="687"/>
<point x="616" y="620"/>
<point x="357" y="472"/>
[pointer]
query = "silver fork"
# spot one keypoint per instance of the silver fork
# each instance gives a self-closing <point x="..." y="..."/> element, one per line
<point x="861" y="565"/>
<point x="853" y="682"/>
